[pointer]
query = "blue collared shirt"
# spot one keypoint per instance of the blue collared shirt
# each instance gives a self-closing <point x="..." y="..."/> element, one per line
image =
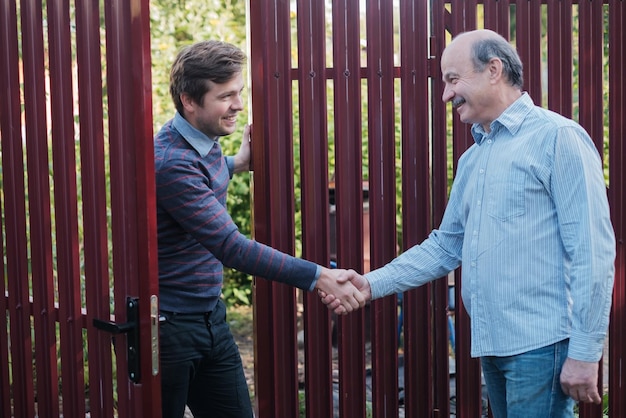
<point x="199" y="141"/>
<point x="529" y="219"/>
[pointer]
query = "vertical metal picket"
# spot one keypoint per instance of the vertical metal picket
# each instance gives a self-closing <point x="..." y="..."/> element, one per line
<point x="617" y="199"/>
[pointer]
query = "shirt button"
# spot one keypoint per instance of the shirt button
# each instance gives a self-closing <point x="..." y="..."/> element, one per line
<point x="481" y="171"/>
<point x="489" y="141"/>
<point x="473" y="264"/>
<point x="475" y="232"/>
<point x="478" y="203"/>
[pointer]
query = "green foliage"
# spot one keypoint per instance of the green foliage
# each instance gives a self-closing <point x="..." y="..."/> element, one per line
<point x="174" y="24"/>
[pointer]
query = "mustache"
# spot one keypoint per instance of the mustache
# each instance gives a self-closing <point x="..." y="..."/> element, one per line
<point x="458" y="101"/>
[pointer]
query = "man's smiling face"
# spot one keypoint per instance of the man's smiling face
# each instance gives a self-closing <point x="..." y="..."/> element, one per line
<point x="468" y="90"/>
<point x="217" y="114"/>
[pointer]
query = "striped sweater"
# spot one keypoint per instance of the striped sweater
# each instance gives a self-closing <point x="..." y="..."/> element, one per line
<point x="196" y="235"/>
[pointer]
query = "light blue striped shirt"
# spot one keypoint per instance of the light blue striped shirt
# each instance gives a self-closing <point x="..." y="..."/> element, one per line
<point x="528" y="215"/>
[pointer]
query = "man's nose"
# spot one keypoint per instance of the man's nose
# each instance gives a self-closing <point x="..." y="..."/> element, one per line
<point x="238" y="103"/>
<point x="447" y="94"/>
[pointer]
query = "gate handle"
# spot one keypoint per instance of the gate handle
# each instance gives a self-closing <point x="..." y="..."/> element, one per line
<point x="113" y="327"/>
<point x="132" y="341"/>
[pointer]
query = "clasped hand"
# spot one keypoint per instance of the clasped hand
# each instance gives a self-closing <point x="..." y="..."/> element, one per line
<point x="342" y="291"/>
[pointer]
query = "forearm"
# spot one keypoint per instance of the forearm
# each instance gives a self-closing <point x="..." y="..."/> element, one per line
<point x="236" y="164"/>
<point x="413" y="268"/>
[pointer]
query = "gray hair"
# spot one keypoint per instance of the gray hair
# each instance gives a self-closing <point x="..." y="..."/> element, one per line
<point x="483" y="50"/>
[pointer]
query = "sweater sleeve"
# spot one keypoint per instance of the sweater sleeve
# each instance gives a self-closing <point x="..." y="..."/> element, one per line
<point x="184" y="193"/>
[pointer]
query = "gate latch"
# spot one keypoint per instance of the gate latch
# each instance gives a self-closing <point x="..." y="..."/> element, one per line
<point x="131" y="328"/>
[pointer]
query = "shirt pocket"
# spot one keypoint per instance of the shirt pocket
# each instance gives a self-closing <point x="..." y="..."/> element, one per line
<point x="507" y="197"/>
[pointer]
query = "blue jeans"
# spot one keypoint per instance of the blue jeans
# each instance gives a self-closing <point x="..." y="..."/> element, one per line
<point x="528" y="385"/>
<point x="201" y="367"/>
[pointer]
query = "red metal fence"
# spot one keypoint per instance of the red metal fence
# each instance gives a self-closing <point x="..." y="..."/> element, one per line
<point x="63" y="66"/>
<point x="352" y="93"/>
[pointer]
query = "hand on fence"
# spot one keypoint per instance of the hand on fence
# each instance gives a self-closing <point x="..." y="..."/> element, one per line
<point x="350" y="278"/>
<point x="243" y="157"/>
<point x="579" y="380"/>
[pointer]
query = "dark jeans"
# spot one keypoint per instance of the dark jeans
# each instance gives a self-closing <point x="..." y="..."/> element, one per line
<point x="201" y="367"/>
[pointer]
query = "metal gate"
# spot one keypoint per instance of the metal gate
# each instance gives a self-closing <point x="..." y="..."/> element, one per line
<point x="64" y="64"/>
<point x="367" y="107"/>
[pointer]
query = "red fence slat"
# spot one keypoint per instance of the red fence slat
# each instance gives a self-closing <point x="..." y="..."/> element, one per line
<point x="468" y="381"/>
<point x="315" y="201"/>
<point x="20" y="372"/>
<point x="348" y="195"/>
<point x="416" y="200"/>
<point x="46" y="376"/>
<point x="497" y="16"/>
<point x="66" y="211"/>
<point x="117" y="35"/>
<point x="590" y="102"/>
<point x="93" y="192"/>
<point x="382" y="208"/>
<point x="463" y="17"/>
<point x="275" y="304"/>
<point x="590" y="57"/>
<point x="142" y="260"/>
<point x="133" y="221"/>
<point x="559" y="57"/>
<point x="617" y="198"/>
<point x="528" y="43"/>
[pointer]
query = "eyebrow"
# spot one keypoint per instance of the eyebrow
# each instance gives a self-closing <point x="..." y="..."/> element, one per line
<point x="449" y="75"/>
<point x="230" y="92"/>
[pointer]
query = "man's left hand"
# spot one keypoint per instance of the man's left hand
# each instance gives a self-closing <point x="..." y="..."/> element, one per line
<point x="579" y="380"/>
<point x="242" y="158"/>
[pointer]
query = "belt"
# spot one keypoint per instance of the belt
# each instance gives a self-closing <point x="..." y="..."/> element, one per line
<point x="186" y="313"/>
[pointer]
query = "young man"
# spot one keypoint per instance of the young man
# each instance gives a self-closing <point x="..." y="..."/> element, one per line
<point x="529" y="220"/>
<point x="200" y="362"/>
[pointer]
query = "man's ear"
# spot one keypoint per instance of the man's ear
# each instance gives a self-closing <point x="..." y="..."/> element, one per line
<point x="187" y="101"/>
<point x="495" y="69"/>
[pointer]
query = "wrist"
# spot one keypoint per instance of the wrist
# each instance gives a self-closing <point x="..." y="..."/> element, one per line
<point x="240" y="164"/>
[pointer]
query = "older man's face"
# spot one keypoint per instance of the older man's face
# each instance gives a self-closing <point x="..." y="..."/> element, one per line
<point x="468" y="91"/>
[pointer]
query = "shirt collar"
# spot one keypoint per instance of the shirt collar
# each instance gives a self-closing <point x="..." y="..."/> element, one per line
<point x="511" y="119"/>
<point x="199" y="141"/>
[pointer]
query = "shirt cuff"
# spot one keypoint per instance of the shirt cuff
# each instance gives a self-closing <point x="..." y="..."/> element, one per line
<point x="377" y="284"/>
<point x="230" y="162"/>
<point x="318" y="271"/>
<point x="585" y="347"/>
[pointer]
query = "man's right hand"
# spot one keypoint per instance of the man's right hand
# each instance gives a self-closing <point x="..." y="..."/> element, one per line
<point x="357" y="280"/>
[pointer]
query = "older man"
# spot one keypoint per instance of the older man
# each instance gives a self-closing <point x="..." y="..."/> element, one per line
<point x="528" y="218"/>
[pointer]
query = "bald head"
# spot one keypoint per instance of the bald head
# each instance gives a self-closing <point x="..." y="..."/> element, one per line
<point x="483" y="45"/>
<point x="482" y="76"/>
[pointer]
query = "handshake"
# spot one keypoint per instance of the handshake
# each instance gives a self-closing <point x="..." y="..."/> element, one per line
<point x="343" y="291"/>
